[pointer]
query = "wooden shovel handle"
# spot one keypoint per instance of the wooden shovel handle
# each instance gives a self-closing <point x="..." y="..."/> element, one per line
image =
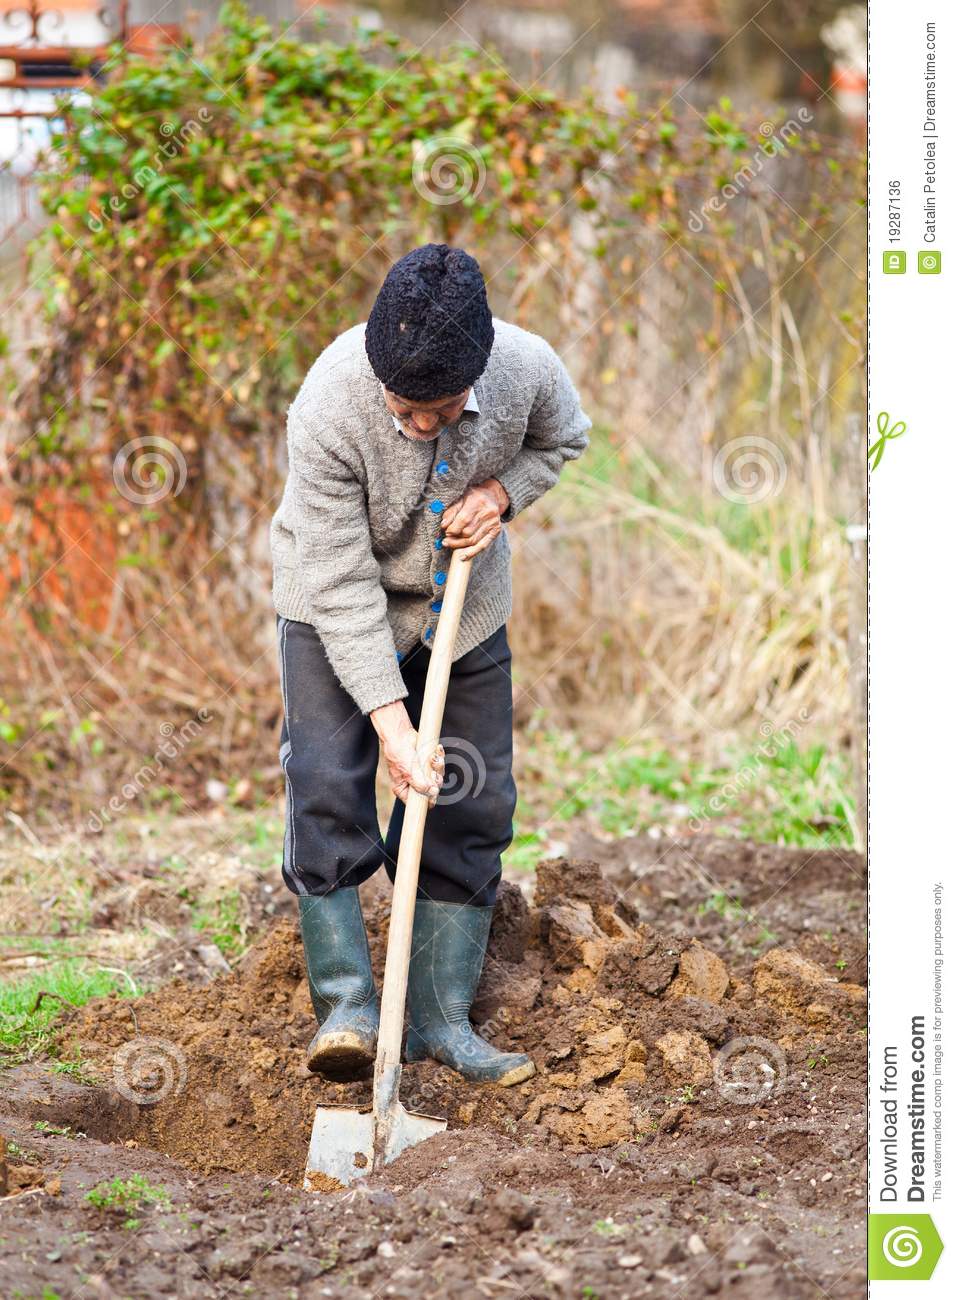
<point x="395" y="983"/>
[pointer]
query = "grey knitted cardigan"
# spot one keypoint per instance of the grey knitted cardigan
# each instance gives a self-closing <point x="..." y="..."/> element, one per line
<point x="356" y="540"/>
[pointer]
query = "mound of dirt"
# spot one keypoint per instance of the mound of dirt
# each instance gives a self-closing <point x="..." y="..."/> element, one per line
<point x="696" y="1125"/>
<point x="626" y="1026"/>
<point x="744" y="896"/>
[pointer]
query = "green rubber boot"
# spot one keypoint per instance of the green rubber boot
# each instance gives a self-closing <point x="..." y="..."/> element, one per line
<point x="448" y="951"/>
<point x="340" y="981"/>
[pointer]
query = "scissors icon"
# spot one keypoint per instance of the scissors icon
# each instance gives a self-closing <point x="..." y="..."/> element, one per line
<point x="886" y="431"/>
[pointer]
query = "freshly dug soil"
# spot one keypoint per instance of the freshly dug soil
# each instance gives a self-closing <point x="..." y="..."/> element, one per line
<point x="696" y="1119"/>
<point x="619" y="1019"/>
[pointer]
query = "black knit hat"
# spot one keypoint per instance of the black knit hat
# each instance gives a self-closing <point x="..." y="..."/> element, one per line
<point x="430" y="332"/>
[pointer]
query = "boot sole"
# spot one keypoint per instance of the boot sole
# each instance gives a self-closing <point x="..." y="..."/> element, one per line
<point x="340" y="1055"/>
<point x="518" y="1075"/>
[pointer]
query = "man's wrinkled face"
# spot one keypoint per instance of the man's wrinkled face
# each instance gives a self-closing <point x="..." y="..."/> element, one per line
<point x="424" y="421"/>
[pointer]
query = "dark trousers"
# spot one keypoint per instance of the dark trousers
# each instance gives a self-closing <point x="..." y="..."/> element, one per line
<point x="329" y="753"/>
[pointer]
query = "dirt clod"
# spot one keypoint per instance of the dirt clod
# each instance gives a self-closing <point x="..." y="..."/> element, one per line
<point x="803" y="989"/>
<point x="685" y="1058"/>
<point x="701" y="974"/>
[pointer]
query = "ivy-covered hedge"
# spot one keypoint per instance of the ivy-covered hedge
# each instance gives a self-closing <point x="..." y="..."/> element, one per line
<point x="221" y="214"/>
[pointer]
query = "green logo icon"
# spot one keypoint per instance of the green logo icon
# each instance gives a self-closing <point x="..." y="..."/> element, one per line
<point x="902" y="1247"/>
<point x="928" y="263"/>
<point x="895" y="263"/>
<point x="875" y="453"/>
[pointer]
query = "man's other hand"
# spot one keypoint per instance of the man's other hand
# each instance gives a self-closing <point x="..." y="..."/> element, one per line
<point x="474" y="521"/>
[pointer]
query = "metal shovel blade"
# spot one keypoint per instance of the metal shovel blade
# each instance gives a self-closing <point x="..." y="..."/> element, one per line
<point x="342" y="1146"/>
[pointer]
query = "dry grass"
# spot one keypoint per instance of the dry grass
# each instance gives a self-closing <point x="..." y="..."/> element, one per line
<point x="696" y="621"/>
<point x="699" y="623"/>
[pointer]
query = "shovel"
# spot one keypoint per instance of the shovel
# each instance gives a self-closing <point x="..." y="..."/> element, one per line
<point x="347" y="1144"/>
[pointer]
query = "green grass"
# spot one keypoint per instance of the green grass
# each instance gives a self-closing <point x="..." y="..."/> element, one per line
<point x="608" y="1228"/>
<point x="129" y="1196"/>
<point x="796" y="796"/>
<point x="811" y="805"/>
<point x="224" y="921"/>
<point x="22" y="1156"/>
<point x="264" y="837"/>
<point x="77" y="1070"/>
<point x="732" y="910"/>
<point x="527" y="848"/>
<point x="26" y="1018"/>
<point x="57" y="1130"/>
<point x="752" y="529"/>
